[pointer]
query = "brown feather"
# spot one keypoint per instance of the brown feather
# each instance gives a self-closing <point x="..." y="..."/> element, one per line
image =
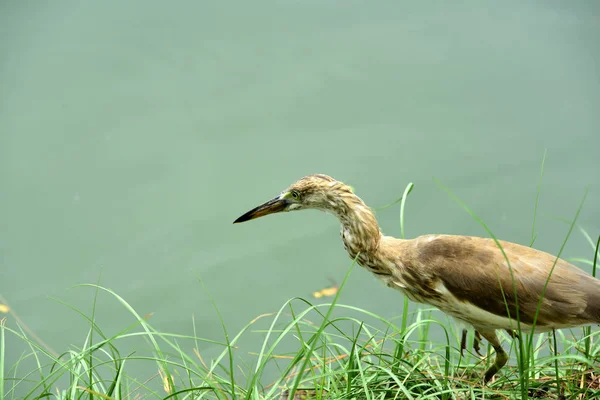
<point x="475" y="270"/>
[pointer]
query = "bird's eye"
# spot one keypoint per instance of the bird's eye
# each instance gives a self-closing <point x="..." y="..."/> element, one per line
<point x="295" y="195"/>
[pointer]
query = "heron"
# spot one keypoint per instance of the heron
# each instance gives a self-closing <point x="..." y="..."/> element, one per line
<point x="486" y="284"/>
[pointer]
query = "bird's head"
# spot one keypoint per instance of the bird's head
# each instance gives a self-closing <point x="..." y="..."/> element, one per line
<point x="317" y="191"/>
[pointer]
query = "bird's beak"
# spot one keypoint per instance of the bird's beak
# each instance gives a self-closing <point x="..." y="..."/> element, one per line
<point x="270" y="207"/>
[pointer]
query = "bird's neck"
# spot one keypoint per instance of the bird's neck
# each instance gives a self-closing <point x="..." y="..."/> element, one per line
<point x="360" y="230"/>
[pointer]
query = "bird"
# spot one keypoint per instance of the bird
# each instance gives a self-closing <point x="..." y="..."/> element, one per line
<point x="486" y="284"/>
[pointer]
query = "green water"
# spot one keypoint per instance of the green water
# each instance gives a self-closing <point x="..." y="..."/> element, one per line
<point x="133" y="134"/>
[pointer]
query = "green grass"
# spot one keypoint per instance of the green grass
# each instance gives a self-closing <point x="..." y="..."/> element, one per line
<point x="307" y="351"/>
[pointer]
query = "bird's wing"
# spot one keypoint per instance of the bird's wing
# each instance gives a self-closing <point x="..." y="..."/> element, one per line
<point x="474" y="270"/>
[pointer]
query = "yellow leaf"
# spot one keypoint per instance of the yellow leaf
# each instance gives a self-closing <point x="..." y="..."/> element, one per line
<point x="166" y="381"/>
<point x="4" y="308"/>
<point x="327" y="292"/>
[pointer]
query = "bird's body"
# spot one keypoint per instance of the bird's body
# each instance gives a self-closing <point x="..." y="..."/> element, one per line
<point x="470" y="278"/>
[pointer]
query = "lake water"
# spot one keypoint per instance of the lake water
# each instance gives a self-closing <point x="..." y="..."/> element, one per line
<point x="132" y="135"/>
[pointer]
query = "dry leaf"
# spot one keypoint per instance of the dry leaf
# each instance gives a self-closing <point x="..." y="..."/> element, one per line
<point x="327" y="292"/>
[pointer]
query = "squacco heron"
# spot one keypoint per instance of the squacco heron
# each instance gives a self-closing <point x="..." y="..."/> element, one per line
<point x="466" y="277"/>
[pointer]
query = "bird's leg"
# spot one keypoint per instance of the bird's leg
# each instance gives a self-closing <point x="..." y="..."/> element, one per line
<point x="476" y="342"/>
<point x="501" y="356"/>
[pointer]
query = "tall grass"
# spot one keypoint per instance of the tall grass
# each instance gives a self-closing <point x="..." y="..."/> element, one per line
<point x="305" y="353"/>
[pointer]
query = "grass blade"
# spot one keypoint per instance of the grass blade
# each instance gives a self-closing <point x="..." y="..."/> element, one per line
<point x="537" y="199"/>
